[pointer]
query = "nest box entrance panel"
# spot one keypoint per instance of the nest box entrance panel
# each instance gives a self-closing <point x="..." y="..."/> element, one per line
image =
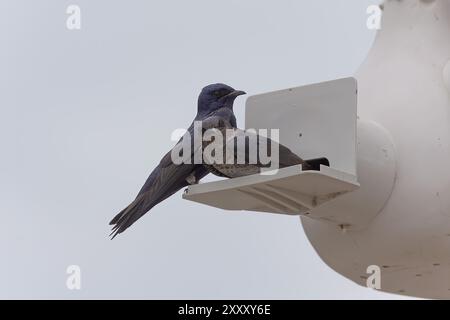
<point x="315" y="121"/>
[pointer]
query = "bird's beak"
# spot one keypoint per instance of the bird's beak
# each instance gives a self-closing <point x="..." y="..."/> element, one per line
<point x="236" y="93"/>
<point x="239" y="93"/>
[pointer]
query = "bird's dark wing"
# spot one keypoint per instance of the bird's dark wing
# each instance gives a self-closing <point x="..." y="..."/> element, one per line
<point x="166" y="179"/>
<point x="288" y="158"/>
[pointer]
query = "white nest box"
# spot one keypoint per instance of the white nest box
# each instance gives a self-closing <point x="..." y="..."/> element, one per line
<point x="384" y="200"/>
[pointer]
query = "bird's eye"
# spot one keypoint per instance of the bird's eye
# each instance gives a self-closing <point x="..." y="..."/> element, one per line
<point x="217" y="93"/>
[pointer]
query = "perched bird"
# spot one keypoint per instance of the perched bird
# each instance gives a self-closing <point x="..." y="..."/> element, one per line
<point x="215" y="109"/>
<point x="241" y="154"/>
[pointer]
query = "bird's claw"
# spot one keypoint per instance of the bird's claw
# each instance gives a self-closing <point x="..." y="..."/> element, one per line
<point x="191" y="179"/>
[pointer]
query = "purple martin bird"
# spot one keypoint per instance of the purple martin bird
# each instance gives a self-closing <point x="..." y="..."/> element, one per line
<point x="215" y="109"/>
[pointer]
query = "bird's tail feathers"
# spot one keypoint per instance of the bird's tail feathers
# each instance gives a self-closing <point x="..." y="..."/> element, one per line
<point x="129" y="215"/>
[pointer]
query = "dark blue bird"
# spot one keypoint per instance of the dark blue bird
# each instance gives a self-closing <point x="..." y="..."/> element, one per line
<point x="215" y="108"/>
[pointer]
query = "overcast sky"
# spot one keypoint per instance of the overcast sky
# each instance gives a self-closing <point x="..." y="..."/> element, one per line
<point x="86" y="115"/>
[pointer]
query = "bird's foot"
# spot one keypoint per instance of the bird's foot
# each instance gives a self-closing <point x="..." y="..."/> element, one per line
<point x="191" y="179"/>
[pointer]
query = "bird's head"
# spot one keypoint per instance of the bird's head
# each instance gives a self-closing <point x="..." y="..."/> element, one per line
<point x="216" y="96"/>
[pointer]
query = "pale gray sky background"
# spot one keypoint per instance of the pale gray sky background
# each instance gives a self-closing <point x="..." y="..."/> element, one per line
<point x="86" y="115"/>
